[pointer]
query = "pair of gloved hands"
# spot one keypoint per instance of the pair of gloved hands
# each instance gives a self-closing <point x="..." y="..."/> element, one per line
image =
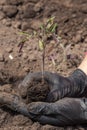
<point x="66" y="111"/>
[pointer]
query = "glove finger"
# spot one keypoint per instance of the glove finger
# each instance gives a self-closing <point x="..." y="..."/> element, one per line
<point x="36" y="108"/>
<point x="48" y="76"/>
<point x="48" y="120"/>
<point x="42" y="108"/>
<point x="54" y="96"/>
<point x="23" y="86"/>
<point x="30" y="77"/>
<point x="66" y="111"/>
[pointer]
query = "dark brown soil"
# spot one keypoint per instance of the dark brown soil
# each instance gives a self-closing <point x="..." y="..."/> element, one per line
<point x="27" y="15"/>
<point x="37" y="91"/>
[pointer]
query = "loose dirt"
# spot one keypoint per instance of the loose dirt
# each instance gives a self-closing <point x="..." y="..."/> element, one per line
<point x="38" y="91"/>
<point x="27" y="15"/>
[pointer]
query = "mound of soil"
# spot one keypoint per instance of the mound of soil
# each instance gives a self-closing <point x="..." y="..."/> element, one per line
<point x="37" y="91"/>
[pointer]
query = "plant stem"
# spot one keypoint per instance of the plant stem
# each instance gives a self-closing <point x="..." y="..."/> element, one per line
<point x="43" y="60"/>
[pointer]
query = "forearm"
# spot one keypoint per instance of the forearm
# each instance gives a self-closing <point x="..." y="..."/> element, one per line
<point x="83" y="65"/>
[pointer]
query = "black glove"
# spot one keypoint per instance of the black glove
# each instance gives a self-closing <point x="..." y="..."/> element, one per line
<point x="67" y="111"/>
<point x="73" y="86"/>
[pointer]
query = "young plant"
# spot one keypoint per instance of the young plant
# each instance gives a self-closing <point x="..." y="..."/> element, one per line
<point x="46" y="30"/>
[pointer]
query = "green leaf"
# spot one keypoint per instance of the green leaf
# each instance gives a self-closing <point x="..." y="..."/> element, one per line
<point x="48" y="27"/>
<point x="24" y="33"/>
<point x="42" y="27"/>
<point x="41" y="45"/>
<point x="23" y="40"/>
<point x="54" y="27"/>
<point x="59" y="38"/>
<point x="34" y="33"/>
<point x="51" y="20"/>
<point x="51" y="27"/>
<point x="27" y="35"/>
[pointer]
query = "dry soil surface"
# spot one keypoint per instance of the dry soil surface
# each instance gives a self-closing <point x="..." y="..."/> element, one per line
<point x="27" y="15"/>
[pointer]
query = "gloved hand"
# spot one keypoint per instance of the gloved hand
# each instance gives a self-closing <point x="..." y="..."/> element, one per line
<point x="66" y="111"/>
<point x="72" y="86"/>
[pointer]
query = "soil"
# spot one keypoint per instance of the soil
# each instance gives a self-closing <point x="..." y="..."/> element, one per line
<point x="27" y="15"/>
<point x="37" y="91"/>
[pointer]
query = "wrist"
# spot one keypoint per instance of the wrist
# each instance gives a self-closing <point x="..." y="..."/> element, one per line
<point x="78" y="78"/>
<point x="83" y="65"/>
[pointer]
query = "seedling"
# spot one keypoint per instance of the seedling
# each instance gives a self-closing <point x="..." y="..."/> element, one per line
<point x="47" y="30"/>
